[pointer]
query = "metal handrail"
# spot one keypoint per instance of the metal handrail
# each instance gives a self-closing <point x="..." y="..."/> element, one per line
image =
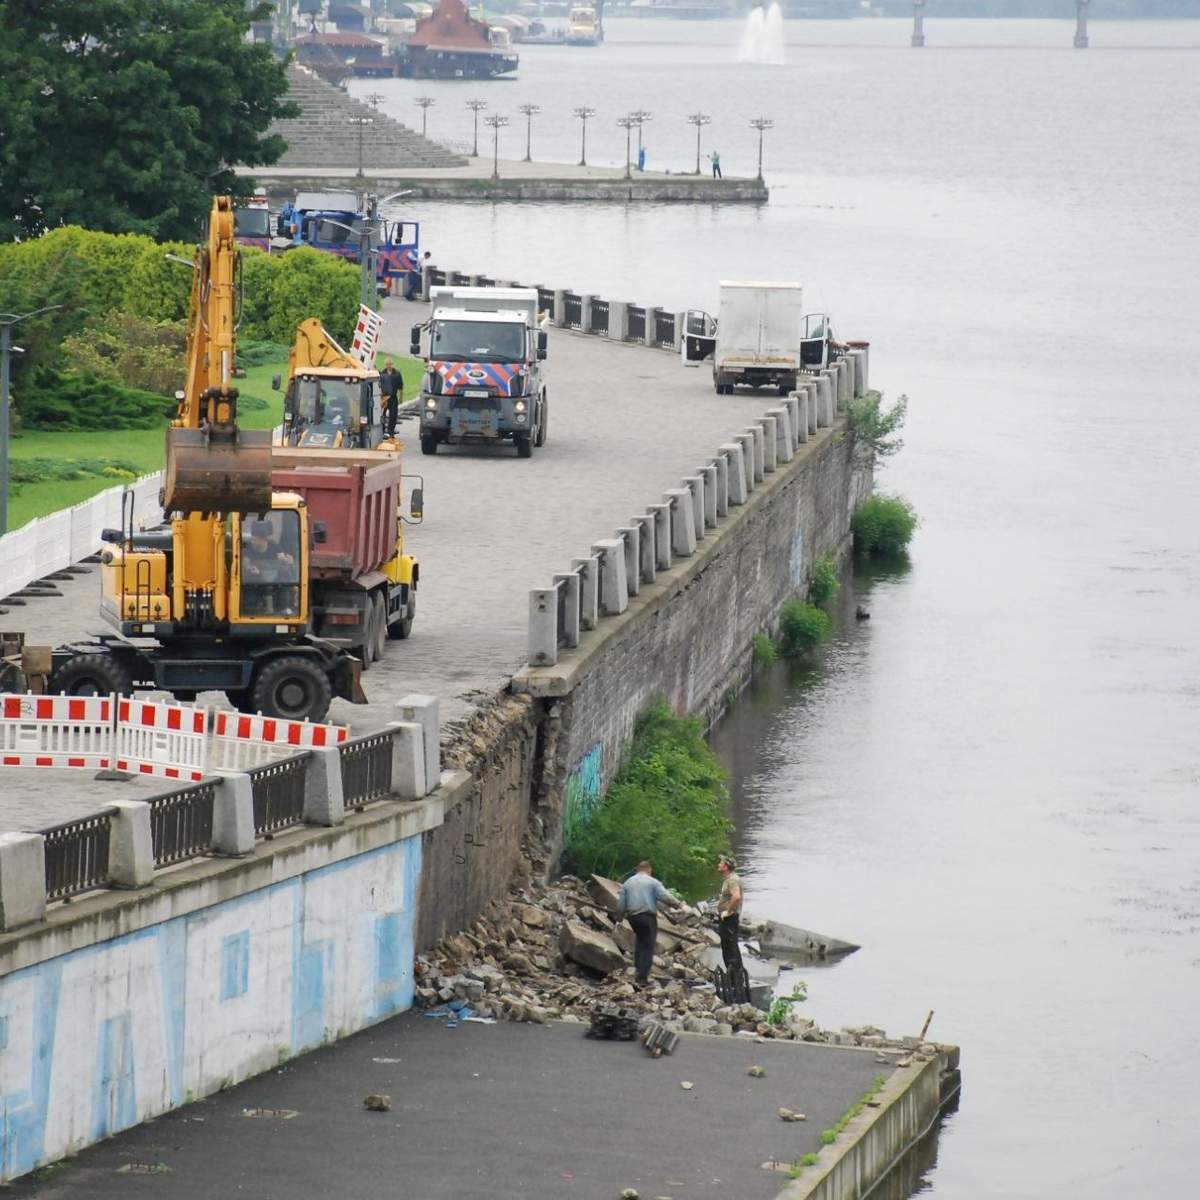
<point x="278" y="790"/>
<point x="181" y="823"/>
<point x="77" y="855"/>
<point x="366" y="768"/>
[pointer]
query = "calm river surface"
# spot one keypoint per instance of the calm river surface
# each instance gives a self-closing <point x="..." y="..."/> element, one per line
<point x="993" y="785"/>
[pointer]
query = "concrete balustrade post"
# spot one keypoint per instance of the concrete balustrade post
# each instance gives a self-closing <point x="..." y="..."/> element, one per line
<point x="802" y="415"/>
<point x="648" y="339"/>
<point x="646" y="554"/>
<point x="423" y="709"/>
<point x="426" y="282"/>
<point x="792" y="405"/>
<point x="813" y="391"/>
<point x="614" y="589"/>
<point x="130" y="846"/>
<point x="680" y="326"/>
<point x="709" y="471"/>
<point x="824" y="402"/>
<point x="618" y="320"/>
<point x="408" y="760"/>
<point x="585" y="314"/>
<point x="845" y="379"/>
<point x="683" y="526"/>
<point x="856" y="359"/>
<point x="324" y="799"/>
<point x="864" y="350"/>
<point x="569" y="582"/>
<point x="560" y="309"/>
<point x="589" y="591"/>
<point x="753" y="437"/>
<point x="783" y="433"/>
<point x="770" y="434"/>
<point x="720" y="465"/>
<point x="22" y="879"/>
<point x="735" y="454"/>
<point x="233" y="815"/>
<point x="631" y="538"/>
<point x="695" y="485"/>
<point x="662" y="535"/>
<point x="542" y="650"/>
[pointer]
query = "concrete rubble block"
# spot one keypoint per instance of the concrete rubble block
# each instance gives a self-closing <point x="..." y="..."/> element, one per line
<point x="664" y="942"/>
<point x="662" y="535"/>
<point x="568" y="582"/>
<point x="683" y="527"/>
<point x="22" y="879"/>
<point x="233" y="814"/>
<point x="324" y="801"/>
<point x="784" y="442"/>
<point x="770" y="434"/>
<point x="695" y="485"/>
<point x="408" y="760"/>
<point x="709" y="472"/>
<point x="606" y="893"/>
<point x="734" y="455"/>
<point x="130" y="846"/>
<point x="631" y="536"/>
<point x="589" y="948"/>
<point x="614" y="590"/>
<point x="746" y="440"/>
<point x="648" y="554"/>
<point x="589" y="591"/>
<point x="542" y="642"/>
<point x="721" y="499"/>
<point x="424" y="710"/>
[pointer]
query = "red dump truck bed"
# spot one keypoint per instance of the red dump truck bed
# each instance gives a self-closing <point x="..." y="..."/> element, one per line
<point x="356" y="493"/>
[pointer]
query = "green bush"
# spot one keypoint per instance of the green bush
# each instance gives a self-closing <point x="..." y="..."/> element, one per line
<point x="823" y="583"/>
<point x="803" y="626"/>
<point x="63" y="400"/>
<point x="130" y="350"/>
<point x="883" y="526"/>
<point x="876" y="429"/>
<point x="669" y="803"/>
<point x="782" y="1005"/>
<point x="48" y="470"/>
<point x="764" y="650"/>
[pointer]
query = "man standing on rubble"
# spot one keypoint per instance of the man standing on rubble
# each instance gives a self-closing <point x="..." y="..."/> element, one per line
<point x="640" y="895"/>
<point x="729" y="911"/>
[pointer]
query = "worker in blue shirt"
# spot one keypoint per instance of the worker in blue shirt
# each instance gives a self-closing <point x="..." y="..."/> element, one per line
<point x="640" y="896"/>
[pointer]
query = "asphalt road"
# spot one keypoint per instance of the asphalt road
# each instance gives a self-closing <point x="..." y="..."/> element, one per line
<point x="625" y="423"/>
<point x="502" y="1112"/>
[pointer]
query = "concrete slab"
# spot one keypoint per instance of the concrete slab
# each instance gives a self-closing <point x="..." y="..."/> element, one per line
<point x="502" y="1111"/>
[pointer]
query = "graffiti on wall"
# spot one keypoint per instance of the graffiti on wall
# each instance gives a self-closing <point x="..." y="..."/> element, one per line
<point x="796" y="562"/>
<point x="582" y="792"/>
<point x="111" y="1035"/>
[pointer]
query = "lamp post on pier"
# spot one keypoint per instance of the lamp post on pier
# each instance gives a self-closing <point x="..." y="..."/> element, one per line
<point x="497" y="123"/>
<point x="918" y="33"/>
<point x="699" y="120"/>
<point x="583" y="112"/>
<point x="528" y="110"/>
<point x="761" y="124"/>
<point x="641" y="116"/>
<point x="1081" y="33"/>
<point x="627" y="123"/>
<point x="424" y="103"/>
<point x="362" y="123"/>
<point x="476" y="107"/>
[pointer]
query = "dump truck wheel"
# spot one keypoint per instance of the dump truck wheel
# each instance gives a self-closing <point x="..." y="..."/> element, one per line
<point x="429" y="443"/>
<point x="291" y="688"/>
<point x="92" y="675"/>
<point x="402" y="628"/>
<point x="524" y="445"/>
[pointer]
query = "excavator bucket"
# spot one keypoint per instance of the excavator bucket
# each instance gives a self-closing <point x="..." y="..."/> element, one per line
<point x="204" y="474"/>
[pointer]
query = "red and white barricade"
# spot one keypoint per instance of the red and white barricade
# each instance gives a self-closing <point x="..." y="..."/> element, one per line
<point x="240" y="741"/>
<point x="56" y="731"/>
<point x="166" y="740"/>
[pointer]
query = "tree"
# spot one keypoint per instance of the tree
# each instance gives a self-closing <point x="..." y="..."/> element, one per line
<point x="127" y="115"/>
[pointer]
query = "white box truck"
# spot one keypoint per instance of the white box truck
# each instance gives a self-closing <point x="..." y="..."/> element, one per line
<point x="758" y="336"/>
<point x="483" y="382"/>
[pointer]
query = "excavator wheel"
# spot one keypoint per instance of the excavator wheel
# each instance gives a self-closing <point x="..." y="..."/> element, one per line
<point x="291" y="688"/>
<point x="92" y="675"/>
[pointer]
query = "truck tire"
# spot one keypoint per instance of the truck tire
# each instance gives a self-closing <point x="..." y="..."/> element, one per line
<point x="429" y="443"/>
<point x="239" y="698"/>
<point x="524" y="445"/>
<point x="545" y="422"/>
<point x="291" y="688"/>
<point x="378" y="626"/>
<point x="97" y="674"/>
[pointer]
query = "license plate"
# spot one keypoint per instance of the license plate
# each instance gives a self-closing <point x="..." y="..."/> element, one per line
<point x="476" y="393"/>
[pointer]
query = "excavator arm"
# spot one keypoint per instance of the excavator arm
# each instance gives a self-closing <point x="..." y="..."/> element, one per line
<point x="212" y="465"/>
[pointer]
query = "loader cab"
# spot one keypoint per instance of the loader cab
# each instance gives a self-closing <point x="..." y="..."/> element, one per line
<point x="699" y="337"/>
<point x="325" y="407"/>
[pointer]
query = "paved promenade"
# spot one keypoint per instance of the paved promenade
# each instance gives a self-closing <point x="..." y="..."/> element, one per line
<point x="503" y="1112"/>
<point x="625" y="423"/>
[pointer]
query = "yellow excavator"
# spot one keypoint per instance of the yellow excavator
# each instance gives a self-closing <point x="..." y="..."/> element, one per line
<point x="218" y="596"/>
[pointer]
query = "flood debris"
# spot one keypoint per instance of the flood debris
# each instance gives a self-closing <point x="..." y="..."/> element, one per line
<point x="377" y="1102"/>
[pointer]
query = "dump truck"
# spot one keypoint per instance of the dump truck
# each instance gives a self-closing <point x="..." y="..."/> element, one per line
<point x="363" y="585"/>
<point x="483" y="377"/>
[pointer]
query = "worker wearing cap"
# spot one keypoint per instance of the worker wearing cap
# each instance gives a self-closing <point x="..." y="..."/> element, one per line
<point x="729" y="910"/>
<point x="640" y="895"/>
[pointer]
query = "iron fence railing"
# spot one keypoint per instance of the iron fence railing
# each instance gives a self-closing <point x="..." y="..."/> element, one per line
<point x="366" y="768"/>
<point x="636" y="323"/>
<point x="664" y="328"/>
<point x="436" y="278"/>
<point x="181" y="824"/>
<point x="77" y="855"/>
<point x="278" y="790"/>
<point x="546" y="301"/>
<point x="572" y="310"/>
<point x="484" y="281"/>
<point x="458" y="279"/>
<point x="598" y="320"/>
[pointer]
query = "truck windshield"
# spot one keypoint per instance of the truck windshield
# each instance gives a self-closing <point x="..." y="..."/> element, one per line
<point x="341" y="232"/>
<point x="478" y="341"/>
<point x="271" y="565"/>
<point x="328" y="401"/>
<point x="252" y="222"/>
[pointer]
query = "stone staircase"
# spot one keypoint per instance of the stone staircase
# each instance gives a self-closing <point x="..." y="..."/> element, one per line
<point x="324" y="136"/>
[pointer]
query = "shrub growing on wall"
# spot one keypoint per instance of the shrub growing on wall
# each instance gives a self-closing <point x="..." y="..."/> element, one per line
<point x="802" y="627"/>
<point x="883" y="526"/>
<point x="823" y="583"/>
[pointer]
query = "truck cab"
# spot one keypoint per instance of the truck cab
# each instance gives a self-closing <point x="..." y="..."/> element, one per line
<point x="483" y="381"/>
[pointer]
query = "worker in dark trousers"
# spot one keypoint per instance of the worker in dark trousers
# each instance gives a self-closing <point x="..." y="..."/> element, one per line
<point x="729" y="911"/>
<point x="391" y="387"/>
<point x="640" y="896"/>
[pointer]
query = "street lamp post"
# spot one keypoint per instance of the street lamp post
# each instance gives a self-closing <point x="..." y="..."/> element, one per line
<point x="1081" y="34"/>
<point x="918" y="33"/>
<point x="699" y="120"/>
<point x="529" y="110"/>
<point x="7" y="321"/>
<point x="362" y="123"/>
<point x="497" y="123"/>
<point x="476" y="107"/>
<point x="627" y="123"/>
<point x="641" y="116"/>
<point x="583" y="113"/>
<point x="373" y="99"/>
<point x="425" y="103"/>
<point x="761" y="124"/>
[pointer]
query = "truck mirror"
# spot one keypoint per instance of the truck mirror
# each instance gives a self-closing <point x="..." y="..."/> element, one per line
<point x="543" y="342"/>
<point x="416" y="340"/>
<point x="319" y="532"/>
<point x="541" y="353"/>
<point x="416" y="504"/>
<point x="275" y="382"/>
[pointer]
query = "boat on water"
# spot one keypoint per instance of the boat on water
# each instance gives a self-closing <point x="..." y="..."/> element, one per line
<point x="584" y="27"/>
<point x="451" y="44"/>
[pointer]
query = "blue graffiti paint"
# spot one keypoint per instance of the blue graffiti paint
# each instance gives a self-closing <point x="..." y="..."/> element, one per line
<point x="582" y="792"/>
<point x="235" y="965"/>
<point x="172" y="965"/>
<point x="114" y="1100"/>
<point x="25" y="1110"/>
<point x="3" y="1033"/>
<point x="796" y="562"/>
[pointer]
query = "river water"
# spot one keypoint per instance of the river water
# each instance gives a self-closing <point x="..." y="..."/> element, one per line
<point x="993" y="784"/>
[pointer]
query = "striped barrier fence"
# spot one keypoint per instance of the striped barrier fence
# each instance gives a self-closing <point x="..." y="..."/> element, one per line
<point x="56" y="731"/>
<point x="165" y="740"/>
<point x="240" y="741"/>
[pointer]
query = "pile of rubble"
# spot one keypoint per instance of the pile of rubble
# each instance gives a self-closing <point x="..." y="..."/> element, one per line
<point x="556" y="951"/>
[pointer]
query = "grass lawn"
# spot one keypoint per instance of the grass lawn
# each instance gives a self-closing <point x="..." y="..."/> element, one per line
<point x="144" y="448"/>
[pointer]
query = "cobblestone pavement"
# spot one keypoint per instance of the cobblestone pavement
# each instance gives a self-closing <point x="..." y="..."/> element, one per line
<point x="625" y="423"/>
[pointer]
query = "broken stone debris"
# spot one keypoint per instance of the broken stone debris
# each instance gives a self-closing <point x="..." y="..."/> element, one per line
<point x="377" y="1102"/>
